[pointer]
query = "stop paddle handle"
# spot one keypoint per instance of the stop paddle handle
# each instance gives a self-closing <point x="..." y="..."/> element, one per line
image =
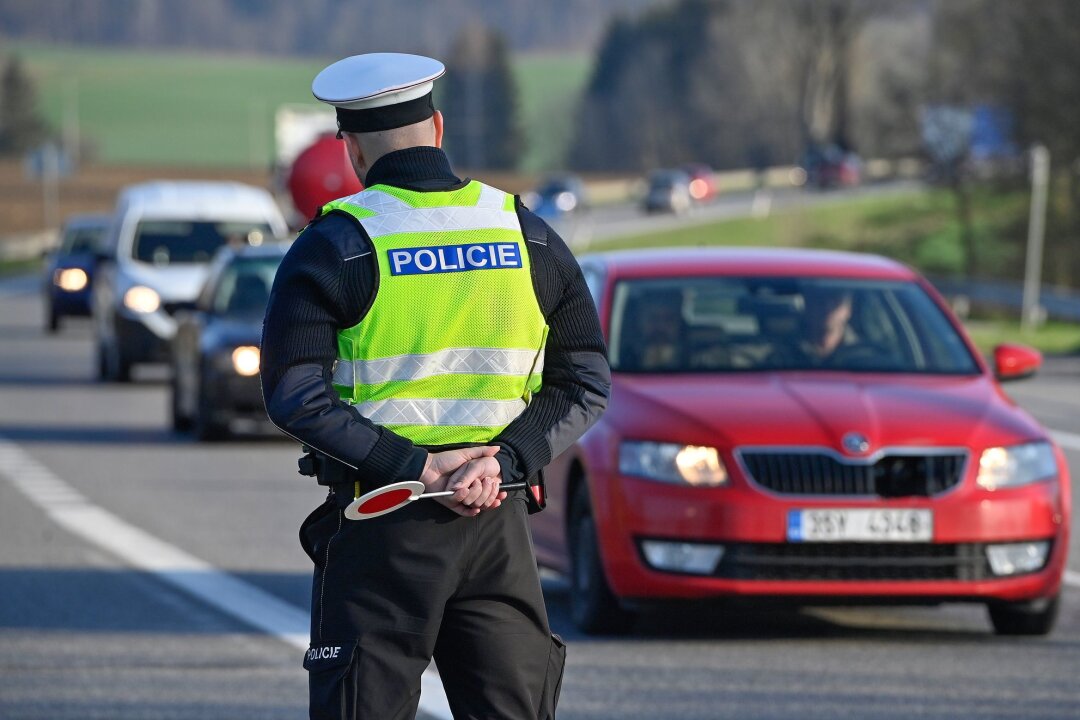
<point x="389" y="498"/>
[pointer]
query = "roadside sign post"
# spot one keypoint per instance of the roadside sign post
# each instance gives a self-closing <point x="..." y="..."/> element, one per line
<point x="1031" y="314"/>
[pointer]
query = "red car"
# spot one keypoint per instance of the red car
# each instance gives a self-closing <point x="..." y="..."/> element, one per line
<point x="802" y="424"/>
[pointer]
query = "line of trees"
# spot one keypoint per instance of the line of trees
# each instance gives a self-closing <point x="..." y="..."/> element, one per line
<point x="325" y="28"/>
<point x="21" y="125"/>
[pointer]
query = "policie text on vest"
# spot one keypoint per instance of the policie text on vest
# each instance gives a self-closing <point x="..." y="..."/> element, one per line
<point x="454" y="258"/>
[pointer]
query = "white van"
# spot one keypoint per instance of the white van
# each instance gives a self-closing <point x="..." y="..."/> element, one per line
<point x="157" y="251"/>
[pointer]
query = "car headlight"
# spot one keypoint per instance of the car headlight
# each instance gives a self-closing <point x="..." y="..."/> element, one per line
<point x="1004" y="467"/>
<point x="669" y="462"/>
<point x="142" y="299"/>
<point x="71" y="279"/>
<point x="245" y="360"/>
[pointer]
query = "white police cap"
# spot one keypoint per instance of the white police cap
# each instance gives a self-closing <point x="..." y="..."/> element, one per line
<point x="379" y="91"/>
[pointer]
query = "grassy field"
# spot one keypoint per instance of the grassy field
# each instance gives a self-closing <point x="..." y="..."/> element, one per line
<point x="138" y="107"/>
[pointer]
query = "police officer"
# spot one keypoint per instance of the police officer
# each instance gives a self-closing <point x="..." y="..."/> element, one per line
<point x="427" y="328"/>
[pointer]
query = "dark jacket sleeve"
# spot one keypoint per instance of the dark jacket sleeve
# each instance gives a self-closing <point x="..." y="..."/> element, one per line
<point x="324" y="284"/>
<point x="576" y="379"/>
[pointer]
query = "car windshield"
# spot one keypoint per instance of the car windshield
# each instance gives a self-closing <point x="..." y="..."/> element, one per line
<point x="167" y="242"/>
<point x="85" y="239"/>
<point x="732" y="324"/>
<point x="244" y="287"/>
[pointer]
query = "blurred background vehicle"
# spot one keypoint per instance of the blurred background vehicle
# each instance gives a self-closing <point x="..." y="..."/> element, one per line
<point x="159" y="246"/>
<point x="802" y="424"/>
<point x="704" y="187"/>
<point x="320" y="173"/>
<point x="827" y="166"/>
<point x="69" y="270"/>
<point x="557" y="195"/>
<point x="667" y="191"/>
<point x="215" y="355"/>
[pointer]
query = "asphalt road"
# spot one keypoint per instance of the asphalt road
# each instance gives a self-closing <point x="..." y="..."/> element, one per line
<point x="122" y="544"/>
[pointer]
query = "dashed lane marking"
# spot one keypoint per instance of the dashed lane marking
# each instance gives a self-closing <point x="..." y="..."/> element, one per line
<point x="70" y="509"/>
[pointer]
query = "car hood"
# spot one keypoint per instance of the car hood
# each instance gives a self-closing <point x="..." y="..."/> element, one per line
<point x="818" y="409"/>
<point x="174" y="283"/>
<point x="83" y="261"/>
<point x="228" y="333"/>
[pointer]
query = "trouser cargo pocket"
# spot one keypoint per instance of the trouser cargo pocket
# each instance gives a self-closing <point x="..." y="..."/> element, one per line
<point x="553" y="681"/>
<point x="331" y="680"/>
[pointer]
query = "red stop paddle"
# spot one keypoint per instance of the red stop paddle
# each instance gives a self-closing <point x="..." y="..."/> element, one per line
<point x="389" y="498"/>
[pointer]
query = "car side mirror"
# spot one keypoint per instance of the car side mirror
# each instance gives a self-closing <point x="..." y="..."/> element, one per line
<point x="1016" y="362"/>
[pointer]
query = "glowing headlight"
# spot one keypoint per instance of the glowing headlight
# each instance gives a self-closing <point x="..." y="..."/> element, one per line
<point x="668" y="462"/>
<point x="1002" y="467"/>
<point x="70" y="279"/>
<point x="142" y="299"/>
<point x="245" y="360"/>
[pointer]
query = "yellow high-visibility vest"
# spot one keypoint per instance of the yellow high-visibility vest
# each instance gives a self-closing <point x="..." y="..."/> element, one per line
<point x="452" y="348"/>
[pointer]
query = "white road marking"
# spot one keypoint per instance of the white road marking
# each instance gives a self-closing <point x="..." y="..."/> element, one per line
<point x="1072" y="578"/>
<point x="252" y="606"/>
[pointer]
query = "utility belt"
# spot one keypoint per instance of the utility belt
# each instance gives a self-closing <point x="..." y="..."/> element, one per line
<point x="345" y="483"/>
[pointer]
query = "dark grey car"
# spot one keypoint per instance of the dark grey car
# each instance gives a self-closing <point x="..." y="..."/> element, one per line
<point x="215" y="355"/>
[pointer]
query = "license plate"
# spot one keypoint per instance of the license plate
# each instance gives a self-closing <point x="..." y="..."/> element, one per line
<point x="863" y="525"/>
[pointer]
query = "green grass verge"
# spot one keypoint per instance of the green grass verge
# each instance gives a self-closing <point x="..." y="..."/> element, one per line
<point x="1053" y="338"/>
<point x="171" y="108"/>
<point x="919" y="228"/>
<point x="10" y="268"/>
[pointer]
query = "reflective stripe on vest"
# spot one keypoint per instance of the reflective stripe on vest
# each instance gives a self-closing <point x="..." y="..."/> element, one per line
<point x="452" y="348"/>
<point x="468" y="361"/>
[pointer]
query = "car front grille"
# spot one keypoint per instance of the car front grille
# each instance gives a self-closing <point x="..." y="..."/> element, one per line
<point x="821" y="472"/>
<point x="854" y="561"/>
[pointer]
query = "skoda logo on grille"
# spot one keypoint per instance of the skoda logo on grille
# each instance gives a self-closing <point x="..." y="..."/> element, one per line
<point x="855" y="443"/>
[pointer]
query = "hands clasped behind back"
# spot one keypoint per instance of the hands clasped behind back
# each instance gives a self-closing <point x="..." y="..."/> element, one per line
<point x="473" y="472"/>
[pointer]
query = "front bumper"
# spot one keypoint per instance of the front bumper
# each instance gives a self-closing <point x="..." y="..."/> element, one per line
<point x="236" y="397"/>
<point x="66" y="303"/>
<point x="760" y="561"/>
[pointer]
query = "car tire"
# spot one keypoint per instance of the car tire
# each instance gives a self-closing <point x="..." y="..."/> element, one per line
<point x="180" y="422"/>
<point x="594" y="608"/>
<point x="52" y="320"/>
<point x="1034" y="617"/>
<point x="113" y="366"/>
<point x="206" y="430"/>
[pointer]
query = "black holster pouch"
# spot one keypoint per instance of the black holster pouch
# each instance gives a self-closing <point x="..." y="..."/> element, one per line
<point x="339" y="477"/>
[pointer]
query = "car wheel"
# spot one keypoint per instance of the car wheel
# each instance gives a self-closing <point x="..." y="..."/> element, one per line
<point x="112" y="365"/>
<point x="593" y="606"/>
<point x="1035" y="617"/>
<point x="206" y="429"/>
<point x="52" y="320"/>
<point x="180" y="422"/>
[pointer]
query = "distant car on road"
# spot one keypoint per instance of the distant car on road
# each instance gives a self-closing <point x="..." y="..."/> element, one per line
<point x="826" y="167"/>
<point x="667" y="191"/>
<point x="215" y="357"/>
<point x="557" y="195"/>
<point x="159" y="246"/>
<point x="69" y="270"/>
<point x="806" y="425"/>
<point x="704" y="187"/>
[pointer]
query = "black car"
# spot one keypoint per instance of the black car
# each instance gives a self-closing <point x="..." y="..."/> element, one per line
<point x="215" y="355"/>
<point x="69" y="270"/>
<point x="667" y="191"/>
